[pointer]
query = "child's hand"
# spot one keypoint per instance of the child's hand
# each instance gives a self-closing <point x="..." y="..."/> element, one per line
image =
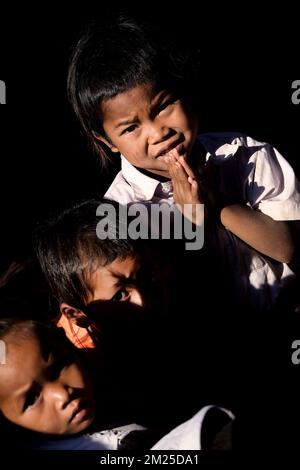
<point x="185" y="187"/>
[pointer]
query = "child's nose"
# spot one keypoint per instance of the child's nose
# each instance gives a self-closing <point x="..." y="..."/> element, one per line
<point x="59" y="393"/>
<point x="158" y="133"/>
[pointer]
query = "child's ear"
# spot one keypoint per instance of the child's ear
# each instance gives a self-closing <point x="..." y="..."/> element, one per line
<point x="107" y="142"/>
<point x="75" y="315"/>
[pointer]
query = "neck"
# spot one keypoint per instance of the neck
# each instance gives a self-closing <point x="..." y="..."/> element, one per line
<point x="151" y="174"/>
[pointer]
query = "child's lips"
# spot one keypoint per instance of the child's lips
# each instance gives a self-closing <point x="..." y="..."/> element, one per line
<point x="81" y="411"/>
<point x="177" y="144"/>
<point x="80" y="415"/>
<point x="179" y="148"/>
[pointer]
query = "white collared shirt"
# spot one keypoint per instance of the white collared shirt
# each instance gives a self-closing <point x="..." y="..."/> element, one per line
<point x="264" y="179"/>
<point x="249" y="172"/>
<point x="130" y="185"/>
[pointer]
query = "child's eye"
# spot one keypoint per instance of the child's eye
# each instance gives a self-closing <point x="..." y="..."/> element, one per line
<point x="129" y="129"/>
<point x="31" y="399"/>
<point x="120" y="296"/>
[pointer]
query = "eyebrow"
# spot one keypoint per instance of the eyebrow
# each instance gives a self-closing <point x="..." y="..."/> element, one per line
<point x="158" y="99"/>
<point x="121" y="278"/>
<point x="126" y="122"/>
<point x="23" y="393"/>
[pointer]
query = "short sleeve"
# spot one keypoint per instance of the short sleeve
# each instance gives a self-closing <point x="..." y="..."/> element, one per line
<point x="272" y="186"/>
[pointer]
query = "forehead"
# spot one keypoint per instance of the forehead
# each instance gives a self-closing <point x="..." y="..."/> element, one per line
<point x="106" y="277"/>
<point x="129" y="102"/>
<point x="24" y="362"/>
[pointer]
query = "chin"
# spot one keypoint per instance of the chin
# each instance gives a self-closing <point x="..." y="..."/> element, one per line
<point x="81" y="426"/>
<point x="160" y="172"/>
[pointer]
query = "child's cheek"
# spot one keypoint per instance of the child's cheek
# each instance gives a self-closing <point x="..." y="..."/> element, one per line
<point x="138" y="153"/>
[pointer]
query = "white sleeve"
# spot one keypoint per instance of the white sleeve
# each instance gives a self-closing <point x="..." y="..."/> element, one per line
<point x="187" y="436"/>
<point x="272" y="186"/>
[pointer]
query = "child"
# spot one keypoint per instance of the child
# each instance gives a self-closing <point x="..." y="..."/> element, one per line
<point x="97" y="281"/>
<point x="46" y="392"/>
<point x="117" y="292"/>
<point x="44" y="386"/>
<point x="131" y="98"/>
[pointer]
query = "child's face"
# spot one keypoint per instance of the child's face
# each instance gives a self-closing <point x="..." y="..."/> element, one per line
<point x="117" y="282"/>
<point x="45" y="389"/>
<point x="119" y="292"/>
<point x="143" y="126"/>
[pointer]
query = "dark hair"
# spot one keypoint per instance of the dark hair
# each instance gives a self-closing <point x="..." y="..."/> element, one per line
<point x="24" y="292"/>
<point x="68" y="249"/>
<point x="114" y="56"/>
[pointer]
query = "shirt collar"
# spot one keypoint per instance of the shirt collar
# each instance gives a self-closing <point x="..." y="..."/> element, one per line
<point x="143" y="186"/>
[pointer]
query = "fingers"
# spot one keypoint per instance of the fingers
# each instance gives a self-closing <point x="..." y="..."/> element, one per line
<point x="194" y="189"/>
<point x="183" y="163"/>
<point x="178" y="174"/>
<point x="185" y="188"/>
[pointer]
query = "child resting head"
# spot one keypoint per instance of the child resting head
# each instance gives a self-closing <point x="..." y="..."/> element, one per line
<point x="44" y="386"/>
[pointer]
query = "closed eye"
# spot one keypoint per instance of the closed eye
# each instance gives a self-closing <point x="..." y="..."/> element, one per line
<point x="31" y="399"/>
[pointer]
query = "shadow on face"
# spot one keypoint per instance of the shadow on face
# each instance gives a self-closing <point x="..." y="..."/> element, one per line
<point x="44" y="385"/>
<point x="118" y="325"/>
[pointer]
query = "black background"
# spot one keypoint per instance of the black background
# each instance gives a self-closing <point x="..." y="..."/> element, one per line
<point x="250" y="60"/>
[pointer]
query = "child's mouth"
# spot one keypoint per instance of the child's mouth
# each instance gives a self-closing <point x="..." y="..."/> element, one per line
<point x="80" y="412"/>
<point x="165" y="153"/>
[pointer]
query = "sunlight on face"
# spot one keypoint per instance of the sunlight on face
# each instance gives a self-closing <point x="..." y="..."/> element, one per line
<point x="144" y="126"/>
<point x="117" y="282"/>
<point x="47" y="393"/>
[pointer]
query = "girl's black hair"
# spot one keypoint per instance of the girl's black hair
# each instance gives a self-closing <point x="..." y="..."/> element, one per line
<point x="69" y="250"/>
<point x="114" y="56"/>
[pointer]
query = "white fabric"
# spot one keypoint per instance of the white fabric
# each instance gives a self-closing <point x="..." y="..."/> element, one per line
<point x="264" y="178"/>
<point x="251" y="173"/>
<point x="256" y="172"/>
<point x="187" y="436"/>
<point x="102" y="440"/>
<point x="130" y="185"/>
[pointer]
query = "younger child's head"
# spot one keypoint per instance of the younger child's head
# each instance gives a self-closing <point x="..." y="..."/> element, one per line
<point x="129" y="93"/>
<point x="88" y="274"/>
<point x="44" y="386"/>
